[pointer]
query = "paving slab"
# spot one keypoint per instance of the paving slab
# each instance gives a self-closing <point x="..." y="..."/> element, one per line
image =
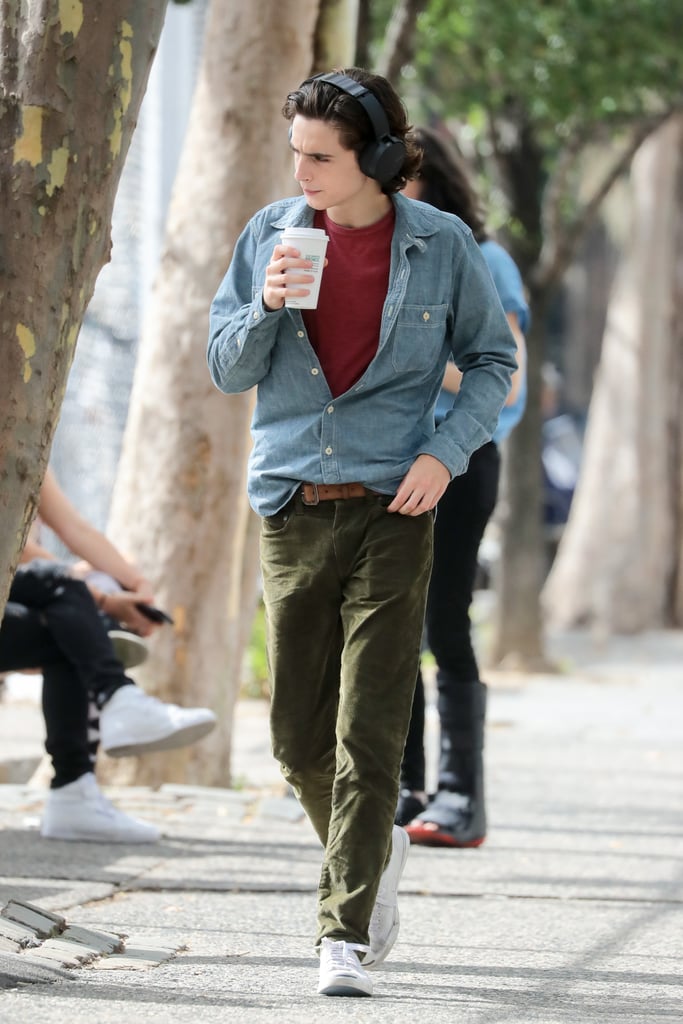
<point x="490" y="960"/>
<point x="572" y="911"/>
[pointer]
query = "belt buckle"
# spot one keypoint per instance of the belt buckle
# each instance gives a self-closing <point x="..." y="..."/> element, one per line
<point x="316" y="500"/>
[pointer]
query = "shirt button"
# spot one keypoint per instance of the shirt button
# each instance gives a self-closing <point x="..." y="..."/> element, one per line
<point x="328" y="451"/>
<point x="330" y="408"/>
<point x="315" y="371"/>
<point x="255" y="316"/>
<point x="425" y="316"/>
<point x="299" y="334"/>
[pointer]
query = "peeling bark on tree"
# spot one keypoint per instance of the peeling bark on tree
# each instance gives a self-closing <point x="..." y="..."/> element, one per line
<point x="72" y="77"/>
<point x="180" y="499"/>
<point x="620" y="563"/>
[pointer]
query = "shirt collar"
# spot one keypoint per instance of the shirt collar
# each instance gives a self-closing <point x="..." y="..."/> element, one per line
<point x="413" y="219"/>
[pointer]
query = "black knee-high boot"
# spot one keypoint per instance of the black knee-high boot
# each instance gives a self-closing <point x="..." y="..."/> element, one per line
<point x="457" y="814"/>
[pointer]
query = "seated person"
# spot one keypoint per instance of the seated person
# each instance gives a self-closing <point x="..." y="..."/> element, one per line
<point x="100" y="562"/>
<point x="52" y="622"/>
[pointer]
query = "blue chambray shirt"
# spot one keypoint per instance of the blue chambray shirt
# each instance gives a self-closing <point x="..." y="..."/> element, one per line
<point x="440" y="301"/>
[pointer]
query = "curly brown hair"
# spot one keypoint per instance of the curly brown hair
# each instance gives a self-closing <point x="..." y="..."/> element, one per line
<point x="319" y="100"/>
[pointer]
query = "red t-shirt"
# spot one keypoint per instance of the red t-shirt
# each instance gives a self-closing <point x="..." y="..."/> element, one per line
<point x="344" y="329"/>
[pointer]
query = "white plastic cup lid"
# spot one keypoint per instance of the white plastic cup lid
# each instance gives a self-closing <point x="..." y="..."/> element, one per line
<point x="305" y="232"/>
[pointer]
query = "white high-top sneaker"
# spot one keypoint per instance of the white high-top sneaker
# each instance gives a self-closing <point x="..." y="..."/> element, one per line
<point x="80" y="811"/>
<point x="384" y="922"/>
<point x="340" y="971"/>
<point x="132" y="722"/>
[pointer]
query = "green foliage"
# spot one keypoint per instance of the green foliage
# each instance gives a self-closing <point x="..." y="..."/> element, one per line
<point x="530" y="82"/>
<point x="565" y="62"/>
<point x="254" y="684"/>
<point x="380" y="13"/>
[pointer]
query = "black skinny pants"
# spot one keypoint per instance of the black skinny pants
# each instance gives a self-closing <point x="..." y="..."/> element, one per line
<point x="462" y="515"/>
<point x="51" y="622"/>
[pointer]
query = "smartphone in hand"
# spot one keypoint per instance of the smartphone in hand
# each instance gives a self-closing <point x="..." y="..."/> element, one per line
<point x="154" y="614"/>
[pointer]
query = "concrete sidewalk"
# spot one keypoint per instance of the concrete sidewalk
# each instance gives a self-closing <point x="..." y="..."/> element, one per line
<point x="571" y="911"/>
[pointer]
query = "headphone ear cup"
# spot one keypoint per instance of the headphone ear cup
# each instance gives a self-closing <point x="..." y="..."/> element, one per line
<point x="383" y="158"/>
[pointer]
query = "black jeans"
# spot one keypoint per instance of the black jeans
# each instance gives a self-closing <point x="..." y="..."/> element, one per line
<point x="51" y="622"/>
<point x="462" y="515"/>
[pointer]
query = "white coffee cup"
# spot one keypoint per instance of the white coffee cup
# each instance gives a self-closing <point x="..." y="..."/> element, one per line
<point x="312" y="244"/>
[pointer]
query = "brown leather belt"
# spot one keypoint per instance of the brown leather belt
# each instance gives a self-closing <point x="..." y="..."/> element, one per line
<point x="312" y="494"/>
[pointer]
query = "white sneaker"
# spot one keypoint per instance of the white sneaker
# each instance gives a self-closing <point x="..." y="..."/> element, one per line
<point x="384" y="922"/>
<point x="132" y="722"/>
<point x="340" y="971"/>
<point x="130" y="649"/>
<point x="80" y="811"/>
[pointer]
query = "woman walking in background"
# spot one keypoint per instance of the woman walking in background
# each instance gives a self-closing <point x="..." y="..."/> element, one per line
<point x="456" y="815"/>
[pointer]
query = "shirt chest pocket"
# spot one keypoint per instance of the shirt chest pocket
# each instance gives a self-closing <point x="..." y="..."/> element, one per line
<point x="418" y="337"/>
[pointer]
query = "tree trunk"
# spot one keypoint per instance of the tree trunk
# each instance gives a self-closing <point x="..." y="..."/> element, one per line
<point x="180" y="500"/>
<point x="677" y="402"/>
<point x="335" y="34"/>
<point x="518" y="629"/>
<point x="363" y="34"/>
<point x="72" y="77"/>
<point x="619" y="563"/>
<point x="399" y="43"/>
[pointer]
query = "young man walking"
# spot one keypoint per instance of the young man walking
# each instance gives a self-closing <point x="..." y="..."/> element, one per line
<point x="347" y="468"/>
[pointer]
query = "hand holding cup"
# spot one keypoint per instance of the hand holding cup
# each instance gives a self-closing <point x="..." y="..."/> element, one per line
<point x="294" y="272"/>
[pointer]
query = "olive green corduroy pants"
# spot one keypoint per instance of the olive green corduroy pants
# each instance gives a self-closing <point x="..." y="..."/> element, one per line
<point x="345" y="585"/>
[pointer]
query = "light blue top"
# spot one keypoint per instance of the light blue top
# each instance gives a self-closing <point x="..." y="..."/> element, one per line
<point x="508" y="282"/>
<point x="440" y="302"/>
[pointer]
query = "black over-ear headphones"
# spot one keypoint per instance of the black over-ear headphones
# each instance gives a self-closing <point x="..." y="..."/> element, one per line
<point x="382" y="158"/>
